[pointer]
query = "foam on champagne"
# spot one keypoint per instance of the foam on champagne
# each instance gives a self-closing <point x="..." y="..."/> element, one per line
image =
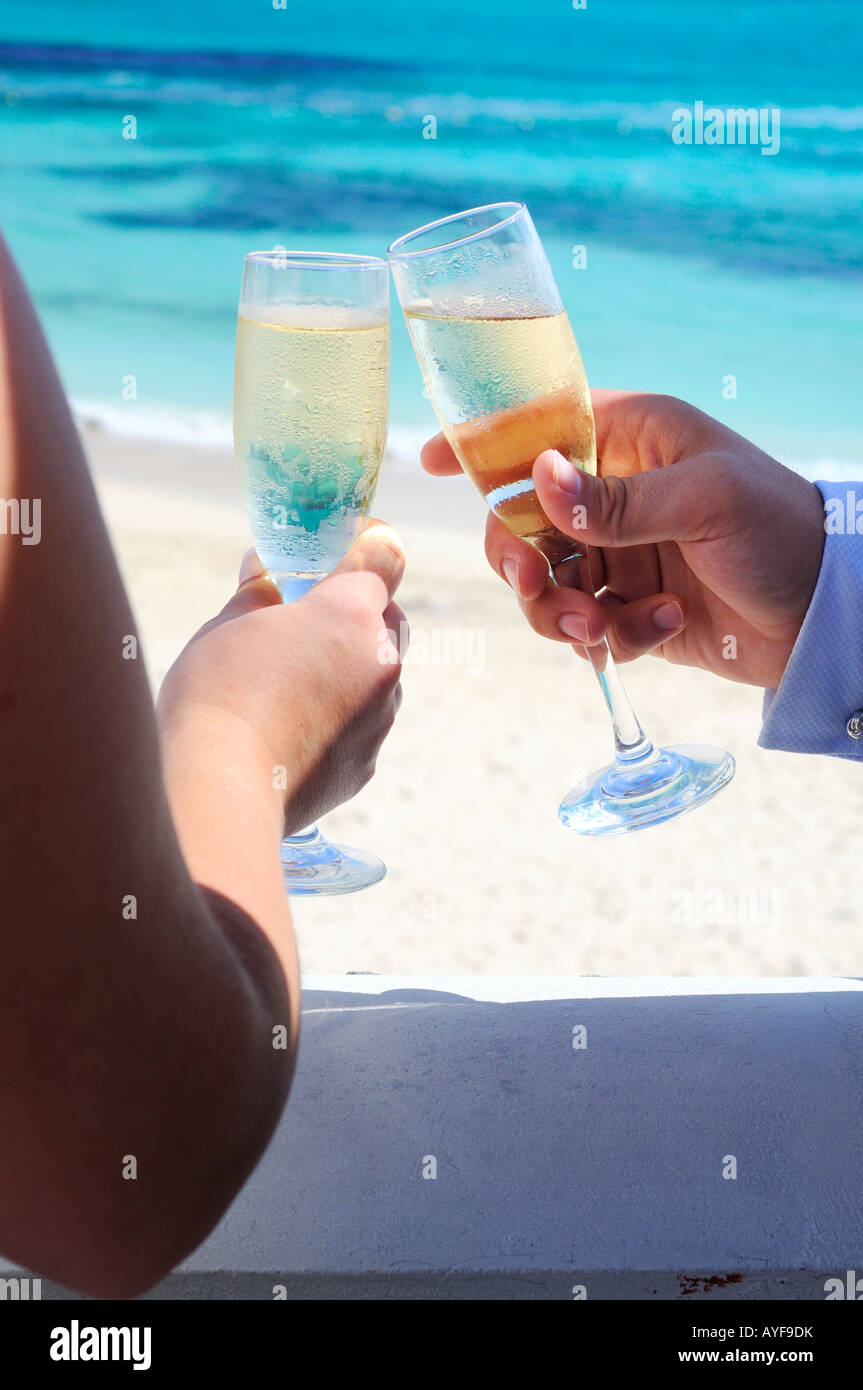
<point x="313" y="316"/>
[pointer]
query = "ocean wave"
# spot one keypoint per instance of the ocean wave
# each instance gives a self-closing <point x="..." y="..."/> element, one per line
<point x="209" y="429"/>
<point x="206" y="429"/>
<point x="251" y="79"/>
<point x="829" y="470"/>
<point x="655" y="116"/>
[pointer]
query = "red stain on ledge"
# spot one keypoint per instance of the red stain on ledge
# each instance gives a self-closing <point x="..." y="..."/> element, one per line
<point x="8" y="699"/>
<point x="693" y="1283"/>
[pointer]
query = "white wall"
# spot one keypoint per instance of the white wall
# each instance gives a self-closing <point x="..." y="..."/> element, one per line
<point x="600" y="1167"/>
<point x="555" y="1166"/>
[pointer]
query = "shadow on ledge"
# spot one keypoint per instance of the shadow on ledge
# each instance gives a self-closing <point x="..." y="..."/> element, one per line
<point x="650" y="1138"/>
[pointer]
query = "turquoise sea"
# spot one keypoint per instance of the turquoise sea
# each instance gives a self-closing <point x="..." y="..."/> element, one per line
<point x="303" y="126"/>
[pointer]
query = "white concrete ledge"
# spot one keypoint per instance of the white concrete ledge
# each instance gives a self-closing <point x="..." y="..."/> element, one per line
<point x="557" y="1165"/>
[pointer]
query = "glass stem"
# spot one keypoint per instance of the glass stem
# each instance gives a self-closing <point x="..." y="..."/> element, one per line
<point x="310" y="835"/>
<point x="571" y="570"/>
<point x="631" y="744"/>
<point x="309" y="846"/>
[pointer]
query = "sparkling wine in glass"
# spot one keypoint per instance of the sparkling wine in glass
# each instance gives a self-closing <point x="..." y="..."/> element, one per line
<point x="505" y="376"/>
<point x="311" y="390"/>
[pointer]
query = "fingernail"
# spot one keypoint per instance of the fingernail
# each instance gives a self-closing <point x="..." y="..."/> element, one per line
<point x="566" y="475"/>
<point x="667" y="616"/>
<point x="510" y="570"/>
<point x="574" y="626"/>
<point x="251" y="567"/>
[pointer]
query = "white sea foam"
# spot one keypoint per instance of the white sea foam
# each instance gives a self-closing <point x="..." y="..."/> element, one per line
<point x="828" y="470"/>
<point x="197" y="427"/>
<point x="208" y="429"/>
<point x="460" y="109"/>
<point x="301" y="93"/>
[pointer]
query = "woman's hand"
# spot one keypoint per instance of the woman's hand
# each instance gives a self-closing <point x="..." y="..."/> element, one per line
<point x="707" y="548"/>
<point x="309" y="690"/>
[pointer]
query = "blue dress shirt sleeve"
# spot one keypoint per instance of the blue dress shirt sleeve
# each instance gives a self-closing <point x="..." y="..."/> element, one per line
<point x="813" y="709"/>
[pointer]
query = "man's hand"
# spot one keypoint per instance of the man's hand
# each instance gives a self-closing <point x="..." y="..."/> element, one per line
<point x="696" y="535"/>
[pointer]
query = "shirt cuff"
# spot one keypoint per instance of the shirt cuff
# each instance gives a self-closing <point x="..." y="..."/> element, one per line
<point x="822" y="687"/>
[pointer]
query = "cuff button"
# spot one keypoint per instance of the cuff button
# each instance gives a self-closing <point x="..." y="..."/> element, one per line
<point x="854" y="727"/>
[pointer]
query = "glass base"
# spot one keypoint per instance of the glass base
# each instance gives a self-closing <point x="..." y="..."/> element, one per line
<point x="625" y="797"/>
<point x="311" y="865"/>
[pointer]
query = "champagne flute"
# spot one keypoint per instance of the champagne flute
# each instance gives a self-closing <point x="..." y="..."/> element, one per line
<point x="505" y="376"/>
<point x="311" y="391"/>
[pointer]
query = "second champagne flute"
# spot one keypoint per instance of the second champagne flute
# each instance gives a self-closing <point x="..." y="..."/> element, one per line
<point x="505" y="377"/>
<point x="311" y="391"/>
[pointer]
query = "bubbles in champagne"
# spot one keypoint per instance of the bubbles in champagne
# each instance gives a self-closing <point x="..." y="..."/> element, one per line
<point x="504" y="390"/>
<point x="310" y="407"/>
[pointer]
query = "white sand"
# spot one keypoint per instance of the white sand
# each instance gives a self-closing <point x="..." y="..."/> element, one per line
<point x="766" y="880"/>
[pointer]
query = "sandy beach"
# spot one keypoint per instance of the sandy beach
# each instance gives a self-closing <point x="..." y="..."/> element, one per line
<point x="496" y="725"/>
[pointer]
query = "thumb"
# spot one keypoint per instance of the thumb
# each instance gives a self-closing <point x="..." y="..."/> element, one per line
<point x="377" y="552"/>
<point x="375" y="562"/>
<point x="255" y="589"/>
<point x="671" y="503"/>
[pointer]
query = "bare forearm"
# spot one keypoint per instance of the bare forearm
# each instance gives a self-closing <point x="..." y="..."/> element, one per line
<point x="143" y="1075"/>
<point x="230" y="821"/>
<point x="138" y="1077"/>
